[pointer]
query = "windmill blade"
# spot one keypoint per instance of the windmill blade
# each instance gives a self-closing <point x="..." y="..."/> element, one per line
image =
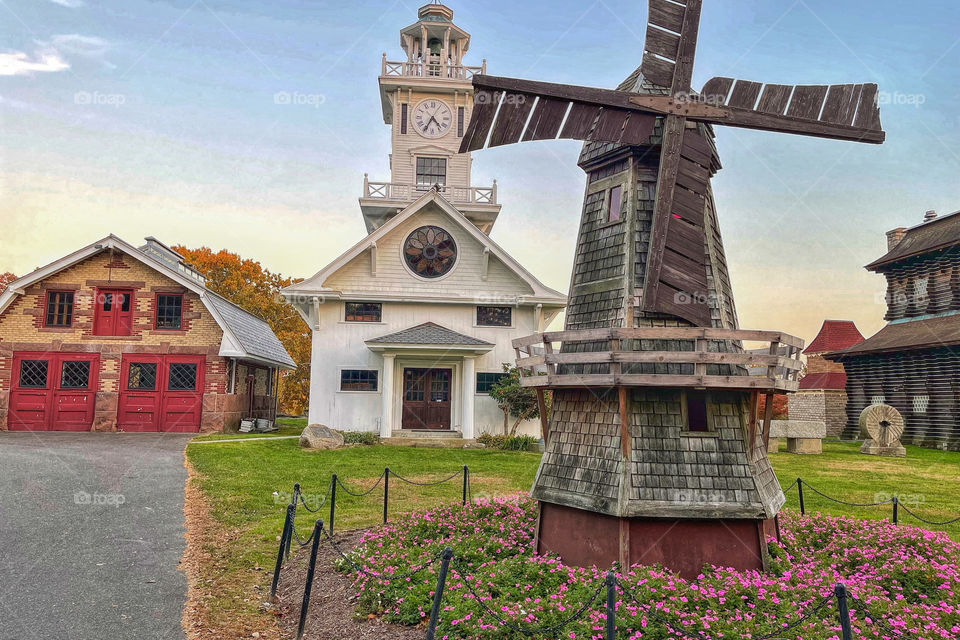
<point x="670" y="43"/>
<point x="509" y="110"/>
<point x="840" y="111"/>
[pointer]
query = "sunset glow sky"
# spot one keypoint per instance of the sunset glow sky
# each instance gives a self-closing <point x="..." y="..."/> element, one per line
<point x="157" y="118"/>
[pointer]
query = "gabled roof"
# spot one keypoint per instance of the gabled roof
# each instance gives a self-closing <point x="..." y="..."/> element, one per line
<point x="927" y="333"/>
<point x="541" y="292"/>
<point x="244" y="335"/>
<point x="937" y="234"/>
<point x="429" y="333"/>
<point x="827" y="380"/>
<point x="835" y="335"/>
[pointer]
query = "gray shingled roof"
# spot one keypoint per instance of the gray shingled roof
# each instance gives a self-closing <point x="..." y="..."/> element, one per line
<point x="255" y="335"/>
<point x="429" y="333"/>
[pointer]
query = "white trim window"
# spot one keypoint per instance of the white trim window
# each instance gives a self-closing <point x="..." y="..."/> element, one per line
<point x="494" y="316"/>
<point x="359" y="380"/>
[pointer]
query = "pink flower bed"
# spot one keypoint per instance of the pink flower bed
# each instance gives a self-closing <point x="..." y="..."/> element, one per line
<point x="904" y="581"/>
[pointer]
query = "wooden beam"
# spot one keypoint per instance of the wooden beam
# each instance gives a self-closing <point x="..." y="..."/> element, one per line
<point x="542" y="408"/>
<point x="767" y="417"/>
<point x="624" y="399"/>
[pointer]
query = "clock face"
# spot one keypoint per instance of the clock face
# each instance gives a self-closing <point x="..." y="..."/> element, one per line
<point x="432" y="118"/>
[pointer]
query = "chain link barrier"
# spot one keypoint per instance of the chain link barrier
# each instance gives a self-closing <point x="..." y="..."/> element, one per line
<point x="849" y="504"/>
<point x="380" y="576"/>
<point x="864" y="611"/>
<point x="925" y="521"/>
<point x="393" y="474"/>
<point x="303" y="501"/>
<point x="363" y="493"/>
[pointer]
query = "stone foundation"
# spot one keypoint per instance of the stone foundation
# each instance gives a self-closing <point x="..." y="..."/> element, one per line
<point x="822" y="405"/>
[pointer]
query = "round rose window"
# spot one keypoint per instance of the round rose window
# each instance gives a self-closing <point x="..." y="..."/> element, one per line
<point x="430" y="252"/>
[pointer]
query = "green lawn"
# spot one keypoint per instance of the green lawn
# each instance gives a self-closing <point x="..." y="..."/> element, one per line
<point x="239" y="480"/>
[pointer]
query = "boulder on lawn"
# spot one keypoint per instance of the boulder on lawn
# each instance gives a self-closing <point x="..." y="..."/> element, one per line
<point x="318" y="436"/>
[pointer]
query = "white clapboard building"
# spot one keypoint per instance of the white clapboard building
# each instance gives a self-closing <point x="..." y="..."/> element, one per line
<point x="413" y="324"/>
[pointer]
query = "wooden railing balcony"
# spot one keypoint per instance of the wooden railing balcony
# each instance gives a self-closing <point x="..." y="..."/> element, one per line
<point x="410" y="192"/>
<point x="545" y="363"/>
<point x="434" y="67"/>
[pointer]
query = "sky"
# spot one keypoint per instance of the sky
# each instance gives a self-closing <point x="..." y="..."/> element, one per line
<point x="158" y="118"/>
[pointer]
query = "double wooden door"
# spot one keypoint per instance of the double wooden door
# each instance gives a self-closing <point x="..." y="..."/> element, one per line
<point x="426" y="398"/>
<point x="53" y="391"/>
<point x="161" y="393"/>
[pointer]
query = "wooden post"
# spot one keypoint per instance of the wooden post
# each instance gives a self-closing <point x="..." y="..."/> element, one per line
<point x="767" y="416"/>
<point x="624" y="422"/>
<point x="752" y="423"/>
<point x="542" y="408"/>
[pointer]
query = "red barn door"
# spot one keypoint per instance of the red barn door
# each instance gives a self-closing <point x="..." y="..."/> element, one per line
<point x="161" y="393"/>
<point x="53" y="391"/>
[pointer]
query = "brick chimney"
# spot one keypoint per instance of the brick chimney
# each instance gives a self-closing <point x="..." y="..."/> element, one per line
<point x="929" y="215"/>
<point x="894" y="237"/>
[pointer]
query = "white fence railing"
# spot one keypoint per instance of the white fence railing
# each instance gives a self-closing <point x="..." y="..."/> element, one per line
<point x="401" y="191"/>
<point x="435" y="67"/>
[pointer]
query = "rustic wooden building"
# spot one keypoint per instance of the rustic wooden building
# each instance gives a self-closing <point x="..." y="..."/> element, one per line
<point x="822" y="396"/>
<point x="654" y="452"/>
<point x="117" y="338"/>
<point x="913" y="363"/>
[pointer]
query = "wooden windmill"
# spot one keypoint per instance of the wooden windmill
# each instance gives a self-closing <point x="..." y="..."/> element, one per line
<point x="654" y="449"/>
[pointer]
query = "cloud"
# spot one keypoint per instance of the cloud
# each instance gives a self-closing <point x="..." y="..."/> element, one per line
<point x="70" y="4"/>
<point x="20" y="63"/>
<point x="78" y="44"/>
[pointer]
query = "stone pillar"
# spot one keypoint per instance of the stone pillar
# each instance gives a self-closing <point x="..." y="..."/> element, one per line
<point x="469" y="395"/>
<point x="386" y="395"/>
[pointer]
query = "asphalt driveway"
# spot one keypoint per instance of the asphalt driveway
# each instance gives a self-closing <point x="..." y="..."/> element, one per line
<point x="91" y="527"/>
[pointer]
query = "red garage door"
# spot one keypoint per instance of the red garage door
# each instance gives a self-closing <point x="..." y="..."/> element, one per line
<point x="161" y="393"/>
<point x="53" y="391"/>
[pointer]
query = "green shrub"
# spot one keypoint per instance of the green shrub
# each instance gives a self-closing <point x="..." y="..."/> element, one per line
<point x="360" y="437"/>
<point x="507" y="443"/>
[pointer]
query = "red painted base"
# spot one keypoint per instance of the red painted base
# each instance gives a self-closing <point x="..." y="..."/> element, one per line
<point x="584" y="538"/>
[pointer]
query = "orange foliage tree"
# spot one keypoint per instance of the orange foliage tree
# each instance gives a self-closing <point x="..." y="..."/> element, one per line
<point x="247" y="283"/>
<point x="5" y="279"/>
<point x="779" y="406"/>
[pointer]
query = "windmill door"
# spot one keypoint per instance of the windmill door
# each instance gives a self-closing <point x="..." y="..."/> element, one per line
<point x="53" y="391"/>
<point x="426" y="398"/>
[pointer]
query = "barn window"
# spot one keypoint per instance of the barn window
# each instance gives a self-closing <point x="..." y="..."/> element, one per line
<point x="431" y="171"/>
<point x="59" y="309"/>
<point x="358" y="379"/>
<point x="697" y="412"/>
<point x="182" y="377"/>
<point x="485" y="381"/>
<point x="142" y="376"/>
<point x="614" y="202"/>
<point x="75" y="374"/>
<point x="33" y="374"/>
<point x="363" y="312"/>
<point x="169" y="311"/>
<point x="494" y="316"/>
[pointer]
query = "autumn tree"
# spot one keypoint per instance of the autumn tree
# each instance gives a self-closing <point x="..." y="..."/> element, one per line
<point x="5" y="279"/>
<point x="248" y="284"/>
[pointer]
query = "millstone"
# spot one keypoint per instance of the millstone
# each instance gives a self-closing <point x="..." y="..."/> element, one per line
<point x="881" y="423"/>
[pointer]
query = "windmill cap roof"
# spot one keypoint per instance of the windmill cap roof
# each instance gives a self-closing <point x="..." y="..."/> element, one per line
<point x="835" y="335"/>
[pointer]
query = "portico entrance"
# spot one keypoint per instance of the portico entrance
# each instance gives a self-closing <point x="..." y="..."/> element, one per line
<point x="426" y="398"/>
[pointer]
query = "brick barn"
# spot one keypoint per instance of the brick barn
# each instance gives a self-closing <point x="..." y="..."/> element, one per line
<point x="118" y="338"/>
<point x="822" y="395"/>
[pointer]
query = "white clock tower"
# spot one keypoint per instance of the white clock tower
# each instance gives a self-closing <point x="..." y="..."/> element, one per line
<point x="427" y="99"/>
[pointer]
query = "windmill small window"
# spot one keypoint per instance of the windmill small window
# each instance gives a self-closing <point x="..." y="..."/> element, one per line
<point x="695" y="406"/>
<point x="614" y="203"/>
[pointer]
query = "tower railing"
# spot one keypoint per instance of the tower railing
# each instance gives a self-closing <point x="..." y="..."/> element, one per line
<point x="433" y="67"/>
<point x="409" y="192"/>
<point x="617" y="357"/>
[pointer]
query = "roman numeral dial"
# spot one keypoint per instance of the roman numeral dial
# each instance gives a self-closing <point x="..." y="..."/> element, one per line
<point x="431" y="118"/>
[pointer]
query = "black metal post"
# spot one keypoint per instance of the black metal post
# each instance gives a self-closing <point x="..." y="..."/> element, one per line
<point x="896" y="508"/>
<point x="466" y="476"/>
<point x="284" y="544"/>
<point x="800" y="494"/>
<point x="841" y="593"/>
<point x="333" y="500"/>
<point x="295" y="502"/>
<point x="311" y="568"/>
<point x="611" y="606"/>
<point x="386" y="492"/>
<point x="438" y="594"/>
